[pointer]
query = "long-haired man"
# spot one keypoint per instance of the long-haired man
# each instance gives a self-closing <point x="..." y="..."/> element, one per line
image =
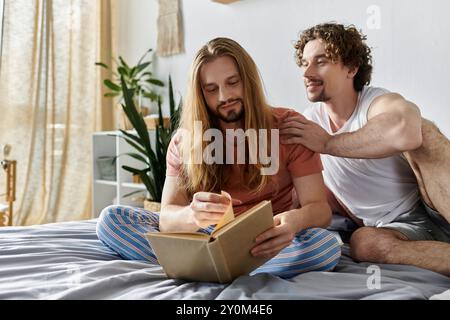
<point x="225" y="102"/>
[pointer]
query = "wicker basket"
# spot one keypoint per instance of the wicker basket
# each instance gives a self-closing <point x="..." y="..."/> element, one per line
<point x="152" y="206"/>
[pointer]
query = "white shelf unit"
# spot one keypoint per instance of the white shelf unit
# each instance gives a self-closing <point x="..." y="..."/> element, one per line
<point x="106" y="192"/>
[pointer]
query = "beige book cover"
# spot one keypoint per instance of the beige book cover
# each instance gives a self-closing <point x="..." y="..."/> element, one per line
<point x="220" y="257"/>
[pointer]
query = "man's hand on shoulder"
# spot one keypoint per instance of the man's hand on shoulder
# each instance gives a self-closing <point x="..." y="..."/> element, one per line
<point x="299" y="130"/>
<point x="393" y="126"/>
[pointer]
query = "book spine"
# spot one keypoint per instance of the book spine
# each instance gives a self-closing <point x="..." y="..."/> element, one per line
<point x="219" y="261"/>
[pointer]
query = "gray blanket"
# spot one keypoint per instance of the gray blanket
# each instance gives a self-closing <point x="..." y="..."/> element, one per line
<point x="67" y="261"/>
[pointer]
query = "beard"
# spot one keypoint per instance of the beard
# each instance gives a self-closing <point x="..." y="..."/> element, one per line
<point x="321" y="97"/>
<point x="317" y="96"/>
<point x="233" y="115"/>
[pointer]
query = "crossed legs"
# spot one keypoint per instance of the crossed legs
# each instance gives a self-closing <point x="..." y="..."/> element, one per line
<point x="123" y="229"/>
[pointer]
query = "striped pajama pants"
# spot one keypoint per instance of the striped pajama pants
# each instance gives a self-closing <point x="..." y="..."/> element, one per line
<point x="122" y="229"/>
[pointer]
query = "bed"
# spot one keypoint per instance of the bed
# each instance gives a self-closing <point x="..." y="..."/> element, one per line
<point x="67" y="261"/>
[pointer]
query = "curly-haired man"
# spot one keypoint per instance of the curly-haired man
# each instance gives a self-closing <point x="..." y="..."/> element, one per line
<point x="385" y="166"/>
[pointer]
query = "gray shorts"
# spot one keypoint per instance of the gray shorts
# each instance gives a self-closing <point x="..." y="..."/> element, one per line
<point x="421" y="223"/>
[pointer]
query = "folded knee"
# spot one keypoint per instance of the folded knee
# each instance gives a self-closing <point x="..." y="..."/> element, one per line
<point x="371" y="244"/>
<point x="329" y="246"/>
<point x="108" y="212"/>
<point x="106" y="215"/>
<point x="432" y="143"/>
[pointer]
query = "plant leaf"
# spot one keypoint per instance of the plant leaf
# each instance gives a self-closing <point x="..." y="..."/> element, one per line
<point x="131" y="193"/>
<point x="122" y="71"/>
<point x="137" y="121"/>
<point x="157" y="133"/>
<point x="144" y="55"/>
<point x="132" y="170"/>
<point x="155" y="82"/>
<point x="111" y="94"/>
<point x="111" y="85"/>
<point x="151" y="95"/>
<point x="142" y="66"/>
<point x="124" y="64"/>
<point x="171" y="99"/>
<point x="137" y="157"/>
<point x="134" y="145"/>
<point x="132" y="137"/>
<point x="149" y="184"/>
<point x="101" y="64"/>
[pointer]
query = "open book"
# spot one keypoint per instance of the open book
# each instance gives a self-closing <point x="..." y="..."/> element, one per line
<point x="220" y="257"/>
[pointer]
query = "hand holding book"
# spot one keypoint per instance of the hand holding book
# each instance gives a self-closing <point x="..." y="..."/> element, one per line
<point x="272" y="241"/>
<point x="221" y="256"/>
<point x="209" y="208"/>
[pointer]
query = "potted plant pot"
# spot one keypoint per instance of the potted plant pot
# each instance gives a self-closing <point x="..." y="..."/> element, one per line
<point x="152" y="206"/>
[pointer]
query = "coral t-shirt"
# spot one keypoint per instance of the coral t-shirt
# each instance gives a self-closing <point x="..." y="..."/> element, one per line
<point x="295" y="160"/>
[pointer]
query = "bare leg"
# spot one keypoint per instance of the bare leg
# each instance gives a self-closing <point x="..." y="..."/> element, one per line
<point x="431" y="165"/>
<point x="380" y="245"/>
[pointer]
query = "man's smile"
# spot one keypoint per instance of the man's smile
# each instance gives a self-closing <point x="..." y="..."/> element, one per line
<point x="313" y="85"/>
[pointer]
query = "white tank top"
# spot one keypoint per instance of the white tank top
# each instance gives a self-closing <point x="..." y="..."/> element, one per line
<point x="375" y="190"/>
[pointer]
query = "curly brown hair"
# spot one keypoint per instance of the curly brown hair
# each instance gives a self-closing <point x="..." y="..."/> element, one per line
<point x="341" y="42"/>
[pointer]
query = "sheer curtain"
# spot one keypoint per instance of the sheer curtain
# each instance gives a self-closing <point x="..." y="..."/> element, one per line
<point x="51" y="102"/>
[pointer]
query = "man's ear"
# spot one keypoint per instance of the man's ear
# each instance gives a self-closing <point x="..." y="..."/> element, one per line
<point x="352" y="71"/>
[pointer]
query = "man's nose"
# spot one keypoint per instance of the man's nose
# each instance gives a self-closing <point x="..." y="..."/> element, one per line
<point x="223" y="94"/>
<point x="308" y="71"/>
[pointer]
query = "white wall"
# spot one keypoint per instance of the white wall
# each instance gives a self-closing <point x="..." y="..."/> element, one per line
<point x="410" y="41"/>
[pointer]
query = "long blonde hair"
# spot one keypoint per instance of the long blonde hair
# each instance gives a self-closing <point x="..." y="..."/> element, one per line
<point x="258" y="115"/>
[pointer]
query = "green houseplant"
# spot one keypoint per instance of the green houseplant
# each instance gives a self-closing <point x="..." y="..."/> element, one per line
<point x="138" y="78"/>
<point x="153" y="174"/>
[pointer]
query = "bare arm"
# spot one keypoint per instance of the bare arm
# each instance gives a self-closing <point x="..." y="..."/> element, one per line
<point x="393" y="126"/>
<point x="181" y="215"/>
<point x="314" y="212"/>
<point x="175" y="210"/>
